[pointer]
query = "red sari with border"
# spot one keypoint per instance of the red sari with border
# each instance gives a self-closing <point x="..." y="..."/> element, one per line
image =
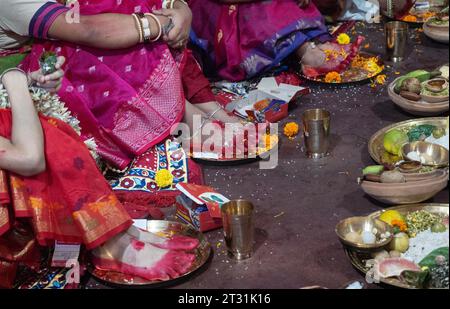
<point x="69" y="202"/>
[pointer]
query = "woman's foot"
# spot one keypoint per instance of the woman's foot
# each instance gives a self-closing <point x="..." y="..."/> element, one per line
<point x="127" y="254"/>
<point x="311" y="55"/>
<point x="177" y="242"/>
<point x="327" y="57"/>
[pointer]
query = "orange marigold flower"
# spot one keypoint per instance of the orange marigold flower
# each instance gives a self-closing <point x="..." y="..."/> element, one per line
<point x="401" y="225"/>
<point x="410" y="18"/>
<point x="291" y="129"/>
<point x="333" y="77"/>
<point x="381" y="79"/>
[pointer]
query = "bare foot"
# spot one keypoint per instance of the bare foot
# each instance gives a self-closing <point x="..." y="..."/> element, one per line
<point x="175" y="243"/>
<point x="311" y="55"/>
<point x="129" y="255"/>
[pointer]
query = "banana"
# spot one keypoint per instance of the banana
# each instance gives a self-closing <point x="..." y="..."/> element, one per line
<point x="373" y="170"/>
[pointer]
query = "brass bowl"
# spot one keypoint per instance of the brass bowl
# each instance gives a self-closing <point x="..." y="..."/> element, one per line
<point x="408" y="167"/>
<point x="359" y="225"/>
<point x="430" y="154"/>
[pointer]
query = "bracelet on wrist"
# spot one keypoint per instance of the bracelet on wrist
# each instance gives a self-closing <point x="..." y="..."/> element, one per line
<point x="146" y="31"/>
<point x="139" y="27"/>
<point x="158" y="23"/>
<point x="12" y="70"/>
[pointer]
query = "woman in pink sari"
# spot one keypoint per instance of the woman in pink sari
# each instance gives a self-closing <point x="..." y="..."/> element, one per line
<point x="127" y="99"/>
<point x="240" y="39"/>
<point x="243" y="38"/>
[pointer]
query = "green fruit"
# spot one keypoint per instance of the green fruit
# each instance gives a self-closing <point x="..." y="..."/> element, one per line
<point x="373" y="170"/>
<point x="438" y="228"/>
<point x="421" y="75"/>
<point x="399" y="243"/>
<point x="394" y="140"/>
<point x="438" y="132"/>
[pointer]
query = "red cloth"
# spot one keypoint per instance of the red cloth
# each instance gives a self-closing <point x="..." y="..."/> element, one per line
<point x="70" y="201"/>
<point x="137" y="188"/>
<point x="196" y="86"/>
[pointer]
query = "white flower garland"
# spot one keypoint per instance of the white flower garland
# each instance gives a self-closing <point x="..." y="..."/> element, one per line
<point x="50" y="105"/>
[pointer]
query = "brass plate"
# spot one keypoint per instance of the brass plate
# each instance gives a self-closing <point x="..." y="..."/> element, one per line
<point x="375" y="145"/>
<point x="353" y="81"/>
<point x="164" y="229"/>
<point x="358" y="259"/>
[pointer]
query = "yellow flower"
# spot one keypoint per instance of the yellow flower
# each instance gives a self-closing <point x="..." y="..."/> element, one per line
<point x="163" y="178"/>
<point x="343" y="39"/>
<point x="381" y="79"/>
<point x="333" y="77"/>
<point x="291" y="130"/>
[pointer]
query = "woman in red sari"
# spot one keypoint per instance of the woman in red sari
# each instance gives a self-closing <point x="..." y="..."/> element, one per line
<point x="49" y="180"/>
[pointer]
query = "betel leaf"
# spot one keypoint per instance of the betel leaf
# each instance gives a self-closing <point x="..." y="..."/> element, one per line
<point x="418" y="279"/>
<point x="420" y="132"/>
<point x="430" y="260"/>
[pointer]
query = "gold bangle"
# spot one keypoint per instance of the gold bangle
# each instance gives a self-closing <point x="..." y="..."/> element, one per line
<point x="139" y="28"/>
<point x="159" y="26"/>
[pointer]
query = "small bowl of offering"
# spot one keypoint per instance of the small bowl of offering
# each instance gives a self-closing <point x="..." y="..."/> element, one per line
<point x="426" y="153"/>
<point x="435" y="90"/>
<point x="364" y="233"/>
<point x="409" y="167"/>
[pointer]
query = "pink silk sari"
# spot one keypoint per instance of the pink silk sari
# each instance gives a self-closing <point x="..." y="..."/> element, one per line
<point x="241" y="41"/>
<point x="127" y="99"/>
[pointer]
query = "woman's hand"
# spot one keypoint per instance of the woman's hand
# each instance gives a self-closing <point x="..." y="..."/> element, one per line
<point x="51" y="82"/>
<point x="181" y="16"/>
<point x="304" y="3"/>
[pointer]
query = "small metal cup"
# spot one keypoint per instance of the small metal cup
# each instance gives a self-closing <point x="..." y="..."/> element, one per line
<point x="238" y="228"/>
<point x="316" y="130"/>
<point x="396" y="33"/>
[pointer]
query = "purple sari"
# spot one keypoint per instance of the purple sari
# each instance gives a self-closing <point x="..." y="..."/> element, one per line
<point x="244" y="40"/>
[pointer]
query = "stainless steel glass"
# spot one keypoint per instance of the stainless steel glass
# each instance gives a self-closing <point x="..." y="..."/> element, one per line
<point x="316" y="130"/>
<point x="238" y="227"/>
<point x="396" y="33"/>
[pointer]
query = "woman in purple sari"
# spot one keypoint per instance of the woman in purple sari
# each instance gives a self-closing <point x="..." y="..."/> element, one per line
<point x="243" y="38"/>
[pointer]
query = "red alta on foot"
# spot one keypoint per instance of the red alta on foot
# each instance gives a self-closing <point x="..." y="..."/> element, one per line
<point x="129" y="255"/>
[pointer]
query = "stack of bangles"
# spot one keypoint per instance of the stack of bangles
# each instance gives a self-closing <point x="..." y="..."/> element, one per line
<point x="143" y="26"/>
